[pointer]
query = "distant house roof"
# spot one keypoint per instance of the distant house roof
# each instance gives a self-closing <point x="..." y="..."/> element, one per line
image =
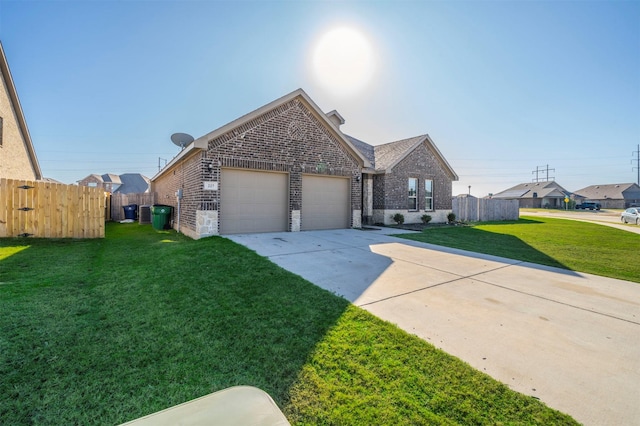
<point x="111" y="178"/>
<point x="13" y="95"/>
<point x="128" y="183"/>
<point x="386" y="156"/>
<point x="614" y="191"/>
<point x="528" y="190"/>
<point x="133" y="183"/>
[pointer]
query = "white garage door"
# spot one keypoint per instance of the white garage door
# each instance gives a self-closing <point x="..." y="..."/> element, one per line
<point x="253" y="201"/>
<point x="325" y="203"/>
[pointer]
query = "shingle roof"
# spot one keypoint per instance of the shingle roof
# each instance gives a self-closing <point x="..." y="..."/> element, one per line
<point x="540" y="189"/>
<point x="111" y="178"/>
<point x="133" y="183"/>
<point x="384" y="157"/>
<point x="388" y="154"/>
<point x="615" y="191"/>
<point x="364" y="148"/>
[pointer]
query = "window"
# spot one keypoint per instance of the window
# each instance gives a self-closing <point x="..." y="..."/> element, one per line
<point x="428" y="194"/>
<point x="413" y="194"/>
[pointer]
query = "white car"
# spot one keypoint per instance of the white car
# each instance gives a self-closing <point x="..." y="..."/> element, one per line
<point x="631" y="215"/>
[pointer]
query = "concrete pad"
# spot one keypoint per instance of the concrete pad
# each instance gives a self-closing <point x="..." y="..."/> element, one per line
<point x="573" y="362"/>
<point x="567" y="338"/>
<point x="607" y="296"/>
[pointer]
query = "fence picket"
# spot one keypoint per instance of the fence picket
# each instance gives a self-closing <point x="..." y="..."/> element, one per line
<point x="50" y="210"/>
<point x="472" y="209"/>
<point x="118" y="201"/>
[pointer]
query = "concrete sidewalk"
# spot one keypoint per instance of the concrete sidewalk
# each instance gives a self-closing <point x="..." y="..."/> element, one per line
<point x="603" y="217"/>
<point x="569" y="339"/>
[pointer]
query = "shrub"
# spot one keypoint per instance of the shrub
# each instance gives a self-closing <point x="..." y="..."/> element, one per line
<point x="425" y="218"/>
<point x="451" y="217"/>
<point x="398" y="218"/>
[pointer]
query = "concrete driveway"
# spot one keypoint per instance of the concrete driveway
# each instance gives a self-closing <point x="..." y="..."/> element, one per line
<point x="570" y="339"/>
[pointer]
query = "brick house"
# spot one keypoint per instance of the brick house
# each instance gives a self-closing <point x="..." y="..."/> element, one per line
<point x="287" y="167"/>
<point x="17" y="156"/>
<point x="546" y="195"/>
<point x="612" y="196"/>
<point x="128" y="183"/>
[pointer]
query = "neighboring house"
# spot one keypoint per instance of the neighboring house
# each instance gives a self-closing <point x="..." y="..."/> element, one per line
<point x="612" y="196"/>
<point x="17" y="156"/>
<point x="287" y="167"/>
<point x="536" y="195"/>
<point x="128" y="183"/>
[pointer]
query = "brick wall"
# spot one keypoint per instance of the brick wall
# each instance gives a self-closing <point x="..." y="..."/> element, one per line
<point x="187" y="175"/>
<point x="390" y="194"/>
<point x="420" y="164"/>
<point x="92" y="180"/>
<point x="288" y="138"/>
<point x="14" y="157"/>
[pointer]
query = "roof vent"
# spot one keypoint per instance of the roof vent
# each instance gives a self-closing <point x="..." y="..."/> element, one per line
<point x="335" y="117"/>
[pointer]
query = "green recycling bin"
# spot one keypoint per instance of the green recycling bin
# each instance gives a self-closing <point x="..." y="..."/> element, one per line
<point x="160" y="216"/>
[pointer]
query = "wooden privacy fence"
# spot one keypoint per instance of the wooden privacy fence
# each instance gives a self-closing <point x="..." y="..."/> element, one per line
<point x="50" y="210"/>
<point x="117" y="201"/>
<point x="472" y="209"/>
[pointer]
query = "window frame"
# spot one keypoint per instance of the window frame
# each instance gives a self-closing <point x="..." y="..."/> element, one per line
<point x="412" y="199"/>
<point x="428" y="196"/>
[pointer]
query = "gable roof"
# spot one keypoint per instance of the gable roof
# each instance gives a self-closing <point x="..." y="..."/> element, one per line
<point x="111" y="178"/>
<point x="386" y="156"/>
<point x="22" y="123"/>
<point x="133" y="183"/>
<point x="366" y="149"/>
<point x="203" y="141"/>
<point x="615" y="191"/>
<point x="527" y="190"/>
<point x="390" y="154"/>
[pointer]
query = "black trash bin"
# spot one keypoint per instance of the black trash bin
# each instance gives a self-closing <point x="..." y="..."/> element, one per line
<point x="131" y="211"/>
<point x="160" y="216"/>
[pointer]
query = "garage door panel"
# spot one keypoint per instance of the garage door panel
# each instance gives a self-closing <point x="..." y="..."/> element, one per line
<point x="325" y="203"/>
<point x="253" y="201"/>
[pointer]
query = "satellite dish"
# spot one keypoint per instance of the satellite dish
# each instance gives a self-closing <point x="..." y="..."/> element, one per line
<point x="181" y="139"/>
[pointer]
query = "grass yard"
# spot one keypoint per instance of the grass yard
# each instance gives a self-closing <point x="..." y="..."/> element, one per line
<point x="569" y="244"/>
<point x="106" y="331"/>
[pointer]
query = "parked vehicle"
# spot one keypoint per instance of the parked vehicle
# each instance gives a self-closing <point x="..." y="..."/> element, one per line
<point x="588" y="205"/>
<point x="631" y="215"/>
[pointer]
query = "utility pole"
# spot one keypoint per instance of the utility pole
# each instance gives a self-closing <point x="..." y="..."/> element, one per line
<point x="637" y="160"/>
<point x="540" y="169"/>
<point x="159" y="160"/>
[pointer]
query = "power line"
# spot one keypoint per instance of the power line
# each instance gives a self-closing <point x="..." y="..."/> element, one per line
<point x="539" y="170"/>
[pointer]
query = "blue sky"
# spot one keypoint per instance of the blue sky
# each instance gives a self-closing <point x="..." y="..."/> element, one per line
<point x="502" y="87"/>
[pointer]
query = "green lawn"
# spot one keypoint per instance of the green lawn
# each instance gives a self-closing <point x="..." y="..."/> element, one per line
<point x="105" y="331"/>
<point x="569" y="244"/>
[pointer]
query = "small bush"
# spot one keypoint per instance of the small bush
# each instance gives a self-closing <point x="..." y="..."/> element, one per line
<point x="398" y="218"/>
<point x="425" y="218"/>
<point x="451" y="217"/>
